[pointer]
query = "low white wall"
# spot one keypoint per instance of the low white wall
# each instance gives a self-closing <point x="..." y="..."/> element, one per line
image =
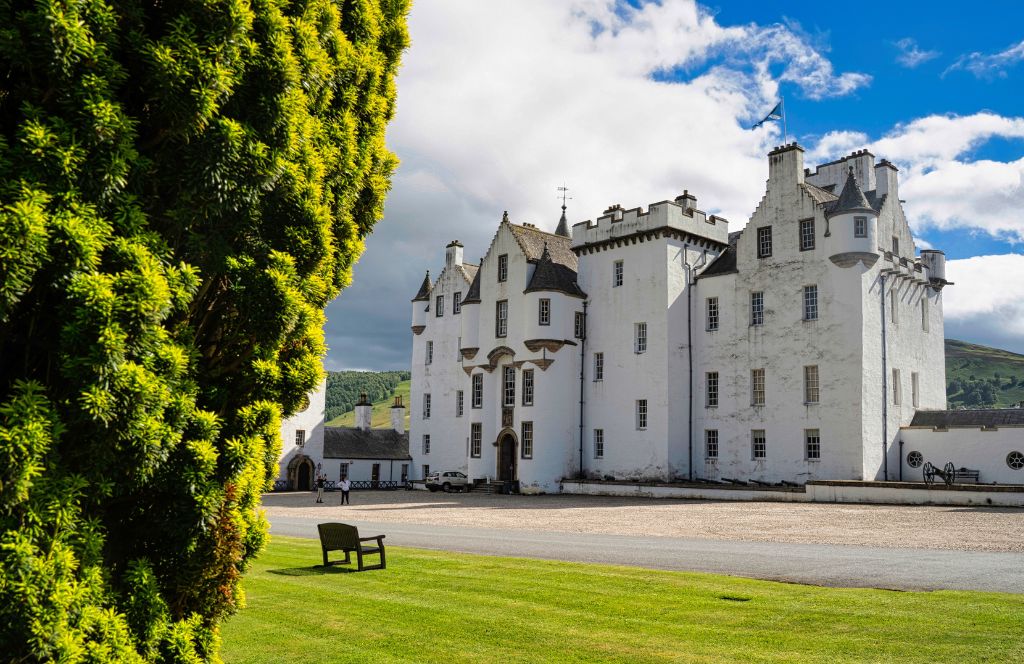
<point x="660" y="491"/>
<point x="980" y="449"/>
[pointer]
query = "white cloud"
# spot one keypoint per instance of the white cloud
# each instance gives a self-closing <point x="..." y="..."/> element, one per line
<point x="986" y="304"/>
<point x="989" y="65"/>
<point x="938" y="138"/>
<point x="910" y="55"/>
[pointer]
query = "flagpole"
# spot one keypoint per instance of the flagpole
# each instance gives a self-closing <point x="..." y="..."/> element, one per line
<point x="785" y="133"/>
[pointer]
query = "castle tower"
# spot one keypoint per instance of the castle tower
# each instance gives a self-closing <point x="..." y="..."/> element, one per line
<point x="420" y="303"/>
<point x="852" y="227"/>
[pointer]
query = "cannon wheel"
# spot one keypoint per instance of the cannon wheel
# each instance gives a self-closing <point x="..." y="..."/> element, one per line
<point x="950" y="473"/>
<point x="928" y="470"/>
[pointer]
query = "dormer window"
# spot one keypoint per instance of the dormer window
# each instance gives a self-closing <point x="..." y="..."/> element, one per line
<point x="860" y="227"/>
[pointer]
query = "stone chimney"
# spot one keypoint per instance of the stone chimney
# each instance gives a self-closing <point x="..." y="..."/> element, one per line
<point x="398" y="416"/>
<point x="364" y="413"/>
<point x="687" y="200"/>
<point x="786" y="164"/>
<point x="453" y="254"/>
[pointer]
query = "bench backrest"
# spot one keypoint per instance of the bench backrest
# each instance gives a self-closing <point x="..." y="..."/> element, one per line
<point x="338" y="535"/>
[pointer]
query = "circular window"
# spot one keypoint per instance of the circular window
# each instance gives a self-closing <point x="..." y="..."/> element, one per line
<point x="303" y="405"/>
<point x="1015" y="460"/>
<point x="915" y="459"/>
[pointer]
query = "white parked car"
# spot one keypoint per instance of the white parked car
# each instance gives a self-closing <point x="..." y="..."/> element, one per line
<point x="449" y="480"/>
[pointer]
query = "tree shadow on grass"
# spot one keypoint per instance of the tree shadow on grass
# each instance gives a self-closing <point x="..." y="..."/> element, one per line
<point x="312" y="570"/>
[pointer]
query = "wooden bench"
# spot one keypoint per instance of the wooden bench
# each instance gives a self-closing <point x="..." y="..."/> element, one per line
<point x="964" y="475"/>
<point x="343" y="537"/>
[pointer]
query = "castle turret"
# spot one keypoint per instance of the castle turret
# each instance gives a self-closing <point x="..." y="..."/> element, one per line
<point x="935" y="261"/>
<point x="563" y="225"/>
<point x="364" y="412"/>
<point x="471" y="317"/>
<point x="852" y="227"/>
<point x="419" y="306"/>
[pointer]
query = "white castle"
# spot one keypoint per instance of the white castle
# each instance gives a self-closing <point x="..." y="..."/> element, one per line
<point x="655" y="345"/>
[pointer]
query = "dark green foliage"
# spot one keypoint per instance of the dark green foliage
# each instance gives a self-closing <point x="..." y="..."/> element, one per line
<point x="183" y="188"/>
<point x="344" y="388"/>
<point x="982" y="377"/>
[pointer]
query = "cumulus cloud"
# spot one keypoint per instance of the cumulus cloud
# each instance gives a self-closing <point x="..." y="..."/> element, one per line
<point x="989" y="65"/>
<point x="910" y="56"/>
<point x="986" y="304"/>
<point x="502" y="101"/>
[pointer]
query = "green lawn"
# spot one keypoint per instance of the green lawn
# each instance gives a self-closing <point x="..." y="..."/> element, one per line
<point x="440" y="607"/>
<point x="380" y="417"/>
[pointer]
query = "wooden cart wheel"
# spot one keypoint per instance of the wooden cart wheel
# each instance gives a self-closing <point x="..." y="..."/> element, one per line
<point x="928" y="470"/>
<point x="950" y="473"/>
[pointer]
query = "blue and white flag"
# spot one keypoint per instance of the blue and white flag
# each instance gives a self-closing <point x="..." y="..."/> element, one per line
<point x="774" y="114"/>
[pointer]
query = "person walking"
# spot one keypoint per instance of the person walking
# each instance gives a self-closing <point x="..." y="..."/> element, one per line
<point x="320" y="489"/>
<point x="345" y="487"/>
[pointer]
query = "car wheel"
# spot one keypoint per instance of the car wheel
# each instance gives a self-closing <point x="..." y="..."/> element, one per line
<point x="447" y="487"/>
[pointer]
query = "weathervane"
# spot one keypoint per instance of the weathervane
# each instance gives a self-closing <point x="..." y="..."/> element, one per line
<point x="563" y="193"/>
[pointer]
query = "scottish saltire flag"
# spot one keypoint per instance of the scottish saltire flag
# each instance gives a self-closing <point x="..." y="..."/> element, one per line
<point x="774" y="114"/>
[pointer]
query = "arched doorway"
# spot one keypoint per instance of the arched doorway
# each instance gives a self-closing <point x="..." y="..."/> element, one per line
<point x="302" y="483"/>
<point x="507" y="457"/>
<point x="300" y="473"/>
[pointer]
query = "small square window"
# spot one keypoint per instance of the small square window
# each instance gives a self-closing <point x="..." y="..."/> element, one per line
<point x="300" y="437"/>
<point x="860" y="227"/>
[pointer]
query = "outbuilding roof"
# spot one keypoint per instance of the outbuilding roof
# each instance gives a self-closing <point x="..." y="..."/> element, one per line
<point x="980" y="417"/>
<point x="352" y="443"/>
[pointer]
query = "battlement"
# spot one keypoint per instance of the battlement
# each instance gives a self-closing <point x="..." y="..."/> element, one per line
<point x="680" y="215"/>
<point x="833" y="174"/>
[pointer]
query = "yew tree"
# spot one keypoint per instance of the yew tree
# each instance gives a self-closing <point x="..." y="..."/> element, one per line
<point x="184" y="186"/>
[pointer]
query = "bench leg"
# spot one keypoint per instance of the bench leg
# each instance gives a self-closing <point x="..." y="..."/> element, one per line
<point x="324" y="549"/>
<point x="383" y="564"/>
<point x="359" y="555"/>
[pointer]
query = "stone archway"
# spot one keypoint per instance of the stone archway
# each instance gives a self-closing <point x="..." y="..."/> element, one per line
<point x="507" y="466"/>
<point x="300" y="473"/>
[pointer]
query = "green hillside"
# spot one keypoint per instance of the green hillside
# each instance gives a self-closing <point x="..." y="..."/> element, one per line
<point x="979" y="376"/>
<point x="344" y="388"/>
<point x="381" y="418"/>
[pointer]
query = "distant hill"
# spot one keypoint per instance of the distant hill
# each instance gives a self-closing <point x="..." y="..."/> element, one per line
<point x="344" y="388"/>
<point x="979" y="376"/>
<point x="381" y="416"/>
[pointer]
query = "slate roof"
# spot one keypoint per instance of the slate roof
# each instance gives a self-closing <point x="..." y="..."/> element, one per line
<point x="987" y="417"/>
<point x="469" y="271"/>
<point x="726" y="261"/>
<point x="533" y="240"/>
<point x="551" y="276"/>
<point x="352" y="443"/>
<point x="820" y="195"/>
<point x="851" y="200"/>
<point x="473" y="294"/>
<point x="563" y="226"/>
<point x="424" y="293"/>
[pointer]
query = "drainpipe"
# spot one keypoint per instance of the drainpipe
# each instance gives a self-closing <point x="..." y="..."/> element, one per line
<point x="690" y="281"/>
<point x="885" y="393"/>
<point x="901" y="458"/>
<point x="583" y="366"/>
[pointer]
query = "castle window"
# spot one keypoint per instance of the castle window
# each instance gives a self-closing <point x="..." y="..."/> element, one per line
<point x="509" y="392"/>
<point x="300" y="437"/>
<point x="897" y="391"/>
<point x="426" y="443"/>
<point x="812" y="390"/>
<point x="598" y="366"/>
<point x="430" y="353"/>
<point x="527" y="428"/>
<point x="711" y="389"/>
<point x="712" y="313"/>
<point x="617" y="269"/>
<point x="544" y="312"/>
<point x="426" y="470"/>
<point x="758" y="444"/>
<point x="914" y="398"/>
<point x="894" y="307"/>
<point x="343" y="471"/>
<point x="580" y="325"/>
<point x="860" y="227"/>
<point x="764" y="242"/>
<point x="641" y="414"/>
<point x="810" y="302"/>
<point x="503" y="267"/>
<point x="895" y="246"/>
<point x="598" y="443"/>
<point x="640" y="338"/>
<point x="478" y="391"/>
<point x="457" y="303"/>
<point x="527" y="387"/>
<point x="439" y="306"/>
<point x="426" y="406"/>
<point x="501" y="318"/>
<point x="757" y="308"/>
<point x="924" y="313"/>
<point x="807" y="235"/>
<point x="757" y="387"/>
<point x="812" y="444"/>
<point x="475" y="437"/>
<point x="711" y="444"/>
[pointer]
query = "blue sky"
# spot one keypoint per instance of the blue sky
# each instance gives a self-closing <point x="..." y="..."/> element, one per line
<point x="630" y="102"/>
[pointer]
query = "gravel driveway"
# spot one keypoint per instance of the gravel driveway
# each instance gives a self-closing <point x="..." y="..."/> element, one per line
<point x="887" y="526"/>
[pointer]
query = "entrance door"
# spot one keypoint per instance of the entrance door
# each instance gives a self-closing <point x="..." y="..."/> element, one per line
<point x="375" y="475"/>
<point x="507" y="459"/>
<point x="303" y="482"/>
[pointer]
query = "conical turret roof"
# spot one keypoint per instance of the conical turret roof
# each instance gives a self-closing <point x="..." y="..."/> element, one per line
<point x="852" y="199"/>
<point x="424" y="293"/>
<point x="552" y="276"/>
<point x="563" y="226"/>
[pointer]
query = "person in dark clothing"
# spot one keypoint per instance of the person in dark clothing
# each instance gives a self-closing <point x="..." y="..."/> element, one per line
<point x="320" y="489"/>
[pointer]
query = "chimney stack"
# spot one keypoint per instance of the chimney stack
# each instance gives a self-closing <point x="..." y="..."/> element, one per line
<point x="364" y="413"/>
<point x="453" y="253"/>
<point x="398" y="416"/>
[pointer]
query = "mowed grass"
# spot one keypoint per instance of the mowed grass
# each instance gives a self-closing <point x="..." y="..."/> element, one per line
<point x="380" y="416"/>
<point x="432" y="606"/>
